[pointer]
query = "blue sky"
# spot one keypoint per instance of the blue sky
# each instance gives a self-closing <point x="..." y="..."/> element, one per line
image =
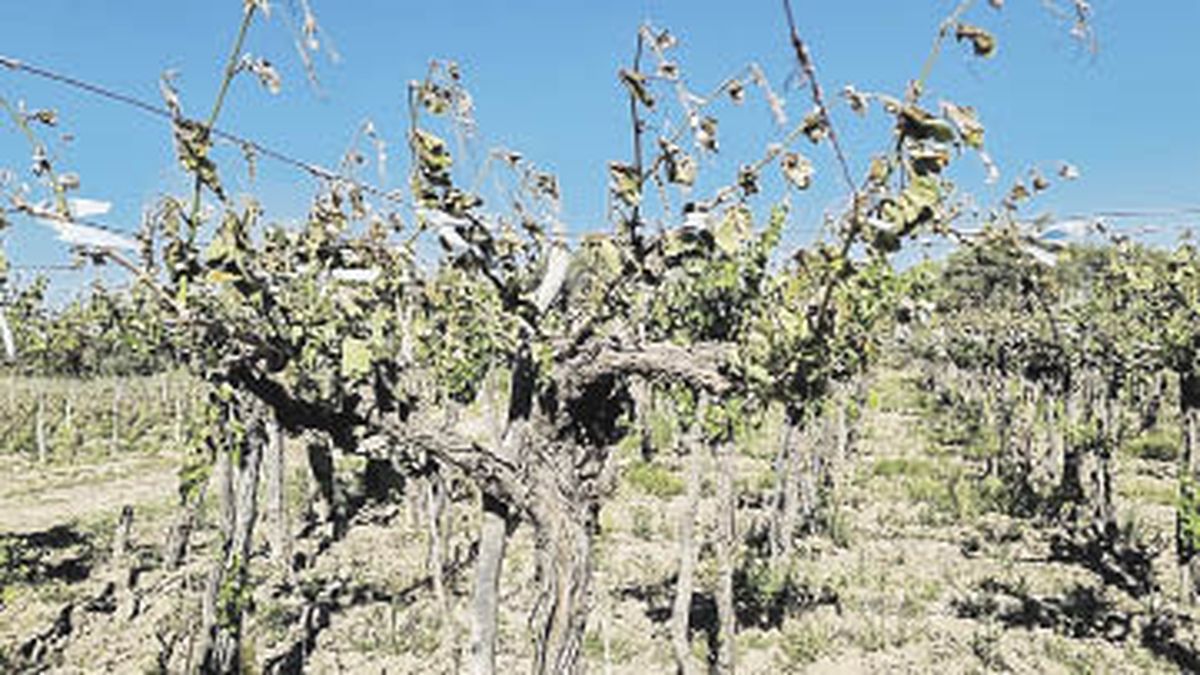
<point x="543" y="78"/>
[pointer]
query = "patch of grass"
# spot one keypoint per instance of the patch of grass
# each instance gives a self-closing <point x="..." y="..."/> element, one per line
<point x="643" y="523"/>
<point x="1158" y="445"/>
<point x="1146" y="491"/>
<point x="802" y="643"/>
<point x="654" y="479"/>
<point x="618" y="649"/>
<point x="891" y="467"/>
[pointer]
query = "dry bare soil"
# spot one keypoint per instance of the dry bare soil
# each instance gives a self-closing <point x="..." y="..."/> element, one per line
<point x="914" y="574"/>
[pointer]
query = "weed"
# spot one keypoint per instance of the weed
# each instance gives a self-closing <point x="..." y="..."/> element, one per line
<point x="654" y="479"/>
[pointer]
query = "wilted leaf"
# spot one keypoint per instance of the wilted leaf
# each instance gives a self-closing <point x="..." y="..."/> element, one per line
<point x="435" y="99"/>
<point x="193" y="142"/>
<point x="929" y="159"/>
<point x="635" y="82"/>
<point x="815" y="126"/>
<point x="1039" y="182"/>
<point x="737" y="91"/>
<point x="747" y="180"/>
<point x="266" y="73"/>
<point x="921" y="125"/>
<point x="797" y="169"/>
<point x="432" y="152"/>
<point x="665" y="40"/>
<point x="706" y="133"/>
<point x="880" y="170"/>
<point x="857" y="100"/>
<point x="983" y="42"/>
<point x="969" y="128"/>
<point x="604" y="252"/>
<point x="44" y="116"/>
<point x="626" y="183"/>
<point x="914" y="206"/>
<point x="681" y="167"/>
<point x="1018" y="193"/>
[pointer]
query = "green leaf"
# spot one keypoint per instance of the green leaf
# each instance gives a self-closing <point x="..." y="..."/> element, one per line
<point x="356" y="358"/>
<point x="732" y="230"/>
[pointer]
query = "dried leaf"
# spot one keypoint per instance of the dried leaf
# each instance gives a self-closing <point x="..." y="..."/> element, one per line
<point x="929" y="158"/>
<point x="625" y="183"/>
<point x="857" y="100"/>
<point x="815" y="126"/>
<point x="266" y="73"/>
<point x="969" y="128"/>
<point x="1017" y="193"/>
<point x="635" y="82"/>
<point x="665" y="40"/>
<point x="193" y="142"/>
<point x="706" y="133"/>
<point x="747" y="180"/>
<point x="797" y="169"/>
<point x="921" y="125"/>
<point x="681" y="167"/>
<point x="737" y="91"/>
<point x="44" y="116"/>
<point x="1038" y="181"/>
<point x="983" y="42"/>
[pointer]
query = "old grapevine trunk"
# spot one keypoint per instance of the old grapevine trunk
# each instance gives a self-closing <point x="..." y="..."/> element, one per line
<point x="1189" y="477"/>
<point x="688" y="554"/>
<point x="564" y="512"/>
<point x="224" y="600"/>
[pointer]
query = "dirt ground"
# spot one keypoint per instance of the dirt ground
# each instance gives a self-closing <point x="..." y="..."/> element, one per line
<point x="914" y="578"/>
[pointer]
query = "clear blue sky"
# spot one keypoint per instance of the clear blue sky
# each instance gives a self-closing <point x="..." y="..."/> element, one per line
<point x="543" y="78"/>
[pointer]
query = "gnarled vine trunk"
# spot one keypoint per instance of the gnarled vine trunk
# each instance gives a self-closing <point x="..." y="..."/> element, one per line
<point x="688" y="554"/>
<point x="224" y="600"/>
